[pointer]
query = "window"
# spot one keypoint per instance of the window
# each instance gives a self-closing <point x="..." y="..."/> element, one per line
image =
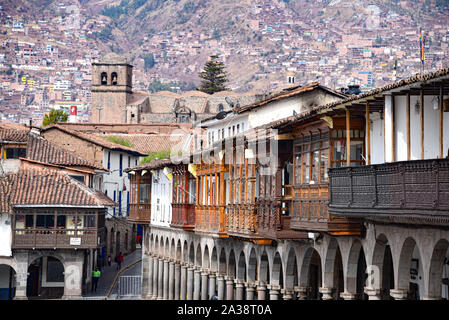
<point x="16" y="153"/>
<point x="339" y="147"/>
<point x="120" y="203"/>
<point x="144" y="196"/>
<point x="114" y="201"/>
<point x="311" y="158"/>
<point x="114" y="78"/>
<point x="104" y="78"/>
<point x="89" y="221"/>
<point x="45" y="221"/>
<point x="78" y="178"/>
<point x="129" y="161"/>
<point x="109" y="159"/>
<point x="61" y="221"/>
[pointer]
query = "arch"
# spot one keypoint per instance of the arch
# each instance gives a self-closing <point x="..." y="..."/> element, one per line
<point x="311" y="273"/>
<point x="277" y="272"/>
<point x="241" y="270"/>
<point x="332" y="265"/>
<point x="104" y="78"/>
<point x="117" y="242"/>
<point x="356" y="270"/>
<point x="191" y="253"/>
<point x="198" y="257"/>
<point x="408" y="250"/>
<point x="206" y="258"/>
<point x="167" y="248"/>
<point x="231" y="264"/>
<point x="437" y="261"/>
<point x="111" y="241"/>
<point x="291" y="272"/>
<point x="152" y="243"/>
<point x="185" y="255"/>
<point x="172" y="249"/>
<point x="381" y="272"/>
<point x="252" y="266"/>
<point x="47" y="269"/>
<point x="222" y="266"/>
<point x="214" y="260"/>
<point x="264" y="268"/>
<point x="114" y="78"/>
<point x="178" y="254"/>
<point x="8" y="281"/>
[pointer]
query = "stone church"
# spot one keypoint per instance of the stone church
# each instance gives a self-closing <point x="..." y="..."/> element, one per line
<point x="114" y="101"/>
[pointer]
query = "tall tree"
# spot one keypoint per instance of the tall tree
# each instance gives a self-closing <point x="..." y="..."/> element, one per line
<point x="214" y="76"/>
<point x="54" y="116"/>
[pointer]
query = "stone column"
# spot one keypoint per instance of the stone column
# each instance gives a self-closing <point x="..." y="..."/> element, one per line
<point x="155" y="275"/>
<point x="250" y="288"/>
<point x="73" y="274"/>
<point x="189" y="294"/>
<point x="229" y="288"/>
<point x="221" y="286"/>
<point x="261" y="290"/>
<point x="171" y="280"/>
<point x="301" y="292"/>
<point x="287" y="294"/>
<point x="177" y="280"/>
<point x="399" y="294"/>
<point x="150" y="277"/>
<point x="197" y="284"/>
<point x="348" y="296"/>
<point x="166" y="275"/>
<point x="373" y="294"/>
<point x="160" y="279"/>
<point x="274" y="291"/>
<point x="21" y="276"/>
<point x="212" y="284"/>
<point x="145" y="282"/>
<point x="327" y="293"/>
<point x="239" y="289"/>
<point x="204" y="285"/>
<point x="183" y="284"/>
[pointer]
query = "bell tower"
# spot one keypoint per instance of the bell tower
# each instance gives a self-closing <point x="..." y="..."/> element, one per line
<point x="111" y="89"/>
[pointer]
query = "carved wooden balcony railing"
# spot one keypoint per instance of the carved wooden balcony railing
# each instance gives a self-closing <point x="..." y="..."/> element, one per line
<point x="413" y="190"/>
<point x="140" y="213"/>
<point x="208" y="219"/>
<point x="272" y="224"/>
<point x="241" y="220"/>
<point x="40" y="238"/>
<point x="311" y="212"/>
<point x="183" y="216"/>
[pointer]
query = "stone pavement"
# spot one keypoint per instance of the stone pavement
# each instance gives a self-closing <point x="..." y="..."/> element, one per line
<point x="108" y="274"/>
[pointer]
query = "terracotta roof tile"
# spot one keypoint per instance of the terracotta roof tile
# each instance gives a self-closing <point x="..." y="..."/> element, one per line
<point x="47" y="187"/>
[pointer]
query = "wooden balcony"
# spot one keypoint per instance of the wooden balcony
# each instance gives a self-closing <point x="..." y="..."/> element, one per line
<point x="40" y="238"/>
<point x="417" y="191"/>
<point x="140" y="213"/>
<point x="274" y="222"/>
<point x="311" y="212"/>
<point x="210" y="219"/>
<point x="241" y="221"/>
<point x="183" y="216"/>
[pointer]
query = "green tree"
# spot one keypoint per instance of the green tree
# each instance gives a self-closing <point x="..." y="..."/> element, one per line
<point x="213" y="76"/>
<point x="54" y="116"/>
<point x="149" y="61"/>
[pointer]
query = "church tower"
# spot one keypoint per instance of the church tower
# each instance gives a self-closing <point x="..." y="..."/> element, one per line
<point x="111" y="89"/>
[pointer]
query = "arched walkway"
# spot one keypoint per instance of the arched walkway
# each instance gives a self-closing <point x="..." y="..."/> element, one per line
<point x="45" y="278"/>
<point x="7" y="282"/>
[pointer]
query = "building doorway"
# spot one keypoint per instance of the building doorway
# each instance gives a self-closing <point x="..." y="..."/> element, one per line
<point x="45" y="278"/>
<point x="7" y="282"/>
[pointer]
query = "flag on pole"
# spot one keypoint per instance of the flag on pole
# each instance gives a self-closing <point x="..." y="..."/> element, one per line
<point x="421" y="43"/>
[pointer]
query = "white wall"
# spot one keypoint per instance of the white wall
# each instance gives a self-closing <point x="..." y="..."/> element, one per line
<point x="5" y="235"/>
<point x="112" y="181"/>
<point x="401" y="128"/>
<point x="388" y="129"/>
<point x="377" y="139"/>
<point x="161" y="197"/>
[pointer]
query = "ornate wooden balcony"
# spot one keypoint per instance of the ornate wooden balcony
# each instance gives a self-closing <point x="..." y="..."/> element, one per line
<point x="417" y="191"/>
<point x="272" y="223"/>
<point x="210" y="219"/>
<point x="311" y="212"/>
<point x="40" y="238"/>
<point x="241" y="220"/>
<point x="140" y="213"/>
<point x="183" y="216"/>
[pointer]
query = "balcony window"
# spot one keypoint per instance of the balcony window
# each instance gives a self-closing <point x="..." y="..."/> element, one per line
<point x="61" y="222"/>
<point x="45" y="221"/>
<point x="145" y="193"/>
<point x="339" y="147"/>
<point x="89" y="221"/>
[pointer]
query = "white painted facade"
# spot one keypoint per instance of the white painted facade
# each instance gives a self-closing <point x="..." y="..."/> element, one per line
<point x="161" y="199"/>
<point x="116" y="183"/>
<point x="382" y="131"/>
<point x="5" y="235"/>
<point x="272" y="111"/>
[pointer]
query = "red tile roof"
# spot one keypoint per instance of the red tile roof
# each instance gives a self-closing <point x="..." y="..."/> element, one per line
<point x="47" y="187"/>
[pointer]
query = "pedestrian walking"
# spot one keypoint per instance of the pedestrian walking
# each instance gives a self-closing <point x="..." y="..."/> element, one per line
<point x="109" y="260"/>
<point x="96" y="274"/>
<point x="120" y="260"/>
